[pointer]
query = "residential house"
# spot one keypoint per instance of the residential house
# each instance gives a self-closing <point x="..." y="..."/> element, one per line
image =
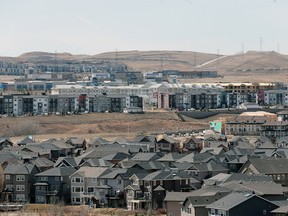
<point x="275" y="130"/>
<point x="53" y="185"/>
<point x="196" y="205"/>
<point x="96" y="142"/>
<point x="25" y="141"/>
<point x="150" y="189"/>
<point x="165" y="143"/>
<point x="117" y="179"/>
<point x="79" y="144"/>
<point x="58" y="148"/>
<point x="86" y="188"/>
<point x="149" y="140"/>
<point x="19" y="179"/>
<point x="268" y="166"/>
<point x="5" y="142"/>
<point x="192" y="144"/>
<point x="235" y="204"/>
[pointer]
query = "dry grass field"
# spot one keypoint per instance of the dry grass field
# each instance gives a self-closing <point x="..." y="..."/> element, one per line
<point x="106" y="125"/>
<point x="58" y="210"/>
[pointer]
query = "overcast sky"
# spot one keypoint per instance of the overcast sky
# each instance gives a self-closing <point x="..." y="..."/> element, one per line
<point x="95" y="26"/>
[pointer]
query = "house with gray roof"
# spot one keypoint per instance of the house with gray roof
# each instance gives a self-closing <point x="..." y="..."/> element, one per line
<point x="118" y="179"/>
<point x="53" y="185"/>
<point x="152" y="187"/>
<point x="276" y="168"/>
<point x="25" y="141"/>
<point x="74" y="162"/>
<point x="196" y="205"/>
<point x="86" y="188"/>
<point x="192" y="144"/>
<point x="19" y="179"/>
<point x="235" y="204"/>
<point x="5" y="142"/>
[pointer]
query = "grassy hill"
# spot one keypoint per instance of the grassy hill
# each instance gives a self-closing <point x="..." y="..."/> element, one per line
<point x="270" y="66"/>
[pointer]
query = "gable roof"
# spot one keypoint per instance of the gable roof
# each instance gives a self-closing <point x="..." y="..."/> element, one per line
<point x="270" y="165"/>
<point x="25" y="141"/>
<point x="93" y="162"/>
<point x="146" y="156"/>
<point x="58" y="171"/>
<point x="98" y="141"/>
<point x="232" y="200"/>
<point x="90" y="172"/>
<point x="145" y="139"/>
<point x="19" y="169"/>
<point x="69" y="161"/>
<point x="196" y="158"/>
<point x="204" y="200"/>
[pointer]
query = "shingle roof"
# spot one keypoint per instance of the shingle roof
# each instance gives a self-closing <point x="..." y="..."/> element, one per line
<point x="25" y="141"/>
<point x="281" y="210"/>
<point x="146" y="157"/>
<point x="23" y="169"/>
<point x="196" y="158"/>
<point x="90" y="172"/>
<point x="172" y="156"/>
<point x="202" y="201"/>
<point x="117" y="156"/>
<point x="98" y="162"/>
<point x="177" y="196"/>
<point x="229" y="201"/>
<point x="270" y="166"/>
<point x="98" y="141"/>
<point x="58" y="171"/>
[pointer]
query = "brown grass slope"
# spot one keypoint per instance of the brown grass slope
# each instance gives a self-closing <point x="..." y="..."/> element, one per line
<point x="251" y="61"/>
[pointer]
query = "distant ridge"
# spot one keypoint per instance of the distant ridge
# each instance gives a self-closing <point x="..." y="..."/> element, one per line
<point x="155" y="60"/>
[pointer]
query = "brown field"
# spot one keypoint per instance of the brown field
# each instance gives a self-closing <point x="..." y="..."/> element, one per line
<point x="253" y="66"/>
<point x="106" y="125"/>
<point x="59" y="210"/>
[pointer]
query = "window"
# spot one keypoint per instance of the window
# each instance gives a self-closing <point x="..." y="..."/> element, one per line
<point x="20" y="178"/>
<point x="119" y="181"/>
<point x="20" y="197"/>
<point x="90" y="189"/>
<point x="40" y="188"/>
<point x="20" y="187"/>
<point x="135" y="182"/>
<point x="57" y="178"/>
<point x="43" y="178"/>
<point x="7" y="176"/>
<point x="94" y="180"/>
<point x="9" y="187"/>
<point x="77" y="179"/>
<point x="77" y="189"/>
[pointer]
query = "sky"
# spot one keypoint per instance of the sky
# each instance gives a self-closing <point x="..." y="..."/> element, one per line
<point x="96" y="26"/>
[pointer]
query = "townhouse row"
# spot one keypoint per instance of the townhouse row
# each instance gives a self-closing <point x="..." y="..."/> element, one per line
<point x="71" y="98"/>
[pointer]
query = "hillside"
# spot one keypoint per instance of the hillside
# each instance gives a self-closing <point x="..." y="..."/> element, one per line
<point x="250" y="62"/>
<point x="251" y="65"/>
